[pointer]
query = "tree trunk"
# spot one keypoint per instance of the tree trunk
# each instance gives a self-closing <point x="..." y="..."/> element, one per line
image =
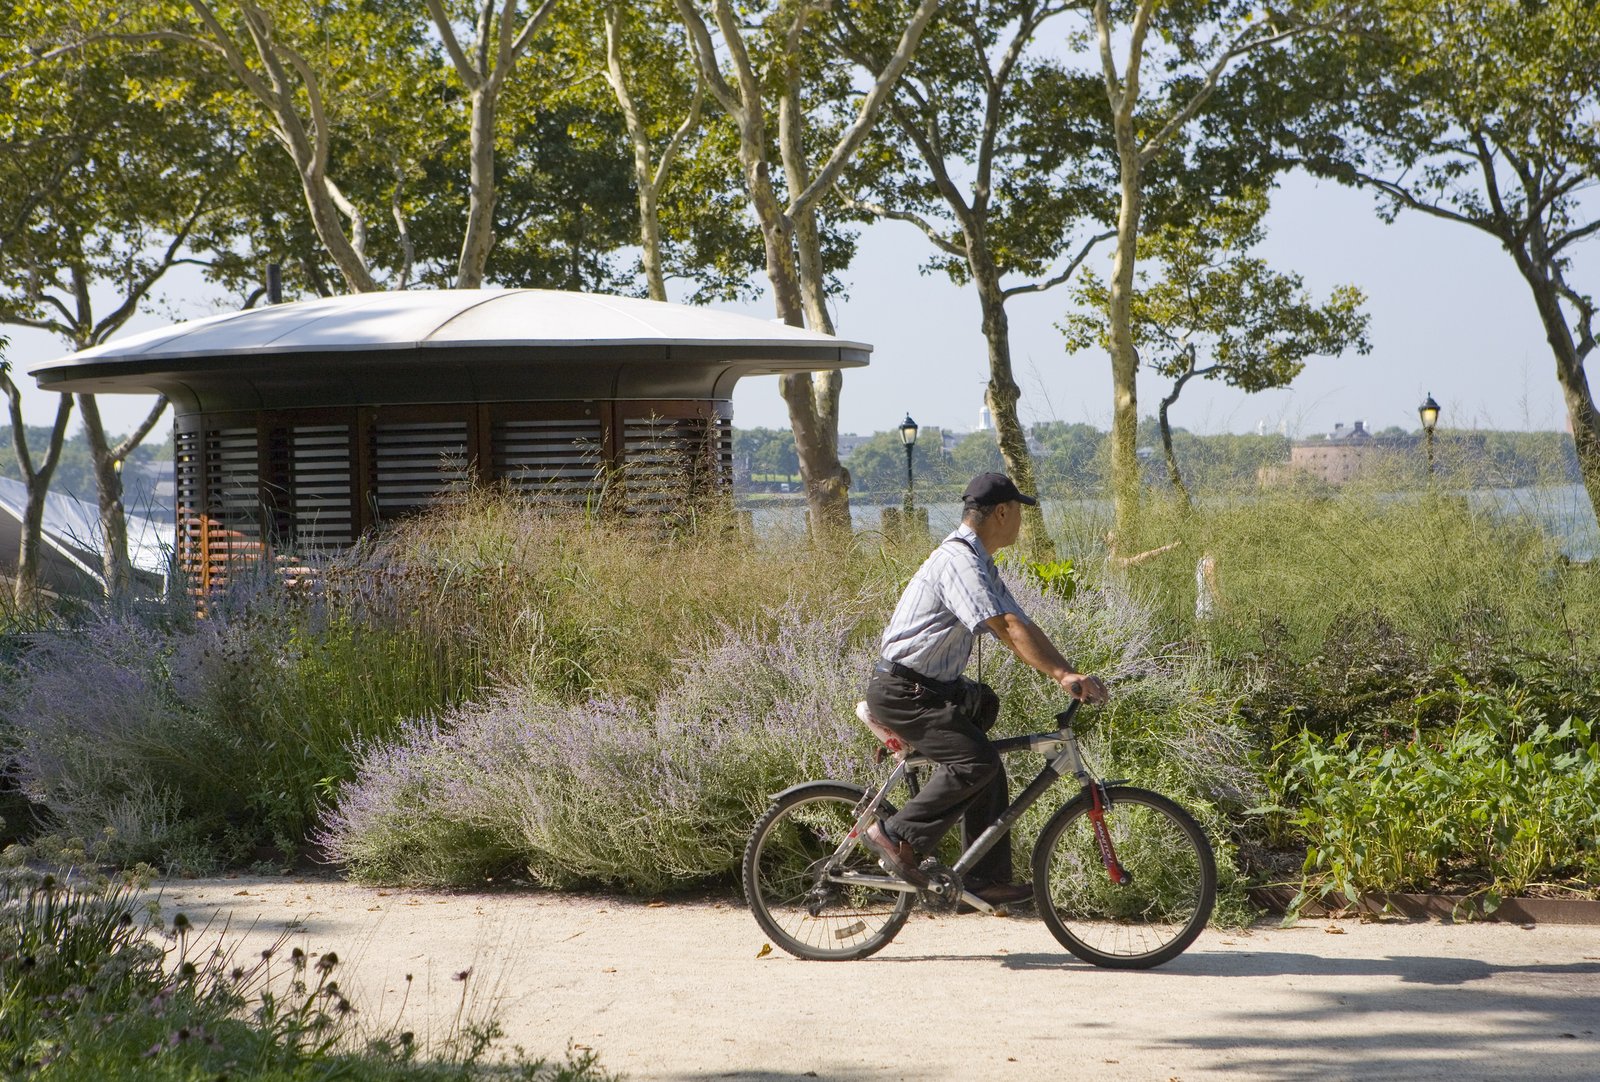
<point x="25" y="589"/>
<point x="825" y="475"/>
<point x="479" y="236"/>
<point x="113" y="518"/>
<point x="1174" y="474"/>
<point x="644" y="173"/>
<point x="1125" y="481"/>
<point x="1002" y="394"/>
<point x="1570" y="374"/>
<point x="815" y="423"/>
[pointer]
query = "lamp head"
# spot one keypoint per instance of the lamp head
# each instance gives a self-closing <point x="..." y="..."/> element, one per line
<point x="908" y="432"/>
<point x="1429" y="412"/>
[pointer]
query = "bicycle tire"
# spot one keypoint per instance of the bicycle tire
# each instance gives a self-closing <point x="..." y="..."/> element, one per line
<point x="1147" y="922"/>
<point x="801" y="829"/>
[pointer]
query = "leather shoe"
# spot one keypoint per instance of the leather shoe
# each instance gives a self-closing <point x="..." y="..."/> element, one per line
<point x="897" y="858"/>
<point x="999" y="894"/>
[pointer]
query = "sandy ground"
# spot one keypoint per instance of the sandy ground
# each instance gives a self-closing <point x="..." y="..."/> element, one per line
<point x="682" y="991"/>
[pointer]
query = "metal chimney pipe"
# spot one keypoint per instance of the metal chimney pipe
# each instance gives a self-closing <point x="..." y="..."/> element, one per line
<point x="274" y="284"/>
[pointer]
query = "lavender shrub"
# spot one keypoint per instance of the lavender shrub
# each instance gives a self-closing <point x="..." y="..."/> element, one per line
<point x="610" y="792"/>
<point x="107" y="744"/>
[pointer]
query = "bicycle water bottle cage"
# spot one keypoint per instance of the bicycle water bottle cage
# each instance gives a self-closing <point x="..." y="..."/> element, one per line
<point x="892" y="744"/>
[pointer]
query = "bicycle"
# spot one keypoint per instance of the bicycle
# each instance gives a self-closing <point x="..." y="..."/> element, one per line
<point x="1124" y="878"/>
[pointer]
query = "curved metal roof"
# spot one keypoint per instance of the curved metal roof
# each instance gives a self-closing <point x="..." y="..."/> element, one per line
<point x="448" y="345"/>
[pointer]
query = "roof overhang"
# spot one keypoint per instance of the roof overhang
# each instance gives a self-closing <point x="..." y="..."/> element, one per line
<point x="448" y="346"/>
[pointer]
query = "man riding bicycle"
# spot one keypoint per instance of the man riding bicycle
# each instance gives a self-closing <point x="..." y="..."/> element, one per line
<point x="917" y="690"/>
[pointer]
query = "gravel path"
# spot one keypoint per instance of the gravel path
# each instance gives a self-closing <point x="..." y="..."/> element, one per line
<point x="681" y="991"/>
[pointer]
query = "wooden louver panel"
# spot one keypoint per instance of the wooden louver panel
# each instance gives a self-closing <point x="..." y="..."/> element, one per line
<point x="232" y="527"/>
<point x="556" y="460"/>
<point x="416" y="462"/>
<point x="670" y="459"/>
<point x="190" y="507"/>
<point x="322" y="514"/>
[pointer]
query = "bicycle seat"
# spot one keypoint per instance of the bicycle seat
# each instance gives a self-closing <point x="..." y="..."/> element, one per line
<point x="890" y="741"/>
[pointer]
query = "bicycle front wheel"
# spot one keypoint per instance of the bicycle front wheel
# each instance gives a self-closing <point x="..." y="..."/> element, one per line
<point x="786" y="863"/>
<point x="1166" y="900"/>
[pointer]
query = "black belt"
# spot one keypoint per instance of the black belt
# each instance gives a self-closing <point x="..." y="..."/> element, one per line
<point x="947" y="688"/>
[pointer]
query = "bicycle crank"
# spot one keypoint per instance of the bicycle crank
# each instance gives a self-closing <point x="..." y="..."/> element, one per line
<point x="943" y="892"/>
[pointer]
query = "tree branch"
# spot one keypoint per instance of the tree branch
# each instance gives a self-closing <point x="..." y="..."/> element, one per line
<point x="452" y="46"/>
<point x="1072" y="267"/>
<point x="130" y="304"/>
<point x="1243" y="44"/>
<point x="690" y="123"/>
<point x="879" y="210"/>
<point x="121" y="450"/>
<point x="705" y="52"/>
<point x="1586" y="314"/>
<point x="530" y="28"/>
<point x="868" y="115"/>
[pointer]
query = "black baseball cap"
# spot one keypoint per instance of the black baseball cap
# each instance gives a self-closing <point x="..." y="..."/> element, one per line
<point x="988" y="489"/>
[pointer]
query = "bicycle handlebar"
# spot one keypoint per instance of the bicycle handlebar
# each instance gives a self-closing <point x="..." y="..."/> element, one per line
<point x="1064" y="718"/>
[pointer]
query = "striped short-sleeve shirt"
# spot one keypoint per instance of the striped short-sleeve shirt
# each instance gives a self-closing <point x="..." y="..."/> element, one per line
<point x="944" y="607"/>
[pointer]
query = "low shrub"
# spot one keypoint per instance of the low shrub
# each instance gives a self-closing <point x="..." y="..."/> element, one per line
<point x="612" y="792"/>
<point x="1504" y="801"/>
<point x="193" y="743"/>
<point x="89" y="990"/>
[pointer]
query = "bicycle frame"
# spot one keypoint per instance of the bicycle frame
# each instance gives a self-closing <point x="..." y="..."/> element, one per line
<point x="1064" y="758"/>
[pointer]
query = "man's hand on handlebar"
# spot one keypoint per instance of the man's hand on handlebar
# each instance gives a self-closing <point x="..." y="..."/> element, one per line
<point x="1087" y="689"/>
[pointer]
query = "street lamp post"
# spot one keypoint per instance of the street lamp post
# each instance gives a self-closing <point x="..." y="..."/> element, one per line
<point x="1429" y="412"/>
<point x="908" y="436"/>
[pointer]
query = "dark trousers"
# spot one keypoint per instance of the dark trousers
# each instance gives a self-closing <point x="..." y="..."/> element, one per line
<point x="969" y="782"/>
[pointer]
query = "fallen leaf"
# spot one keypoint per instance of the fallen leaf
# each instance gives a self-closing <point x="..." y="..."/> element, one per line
<point x="1334" y="929"/>
<point x="766" y="949"/>
<point x="1011" y="1059"/>
<point x="609" y="969"/>
<point x="655" y="905"/>
<point x="1113" y="1061"/>
<point x="373" y="908"/>
<point x="240" y="893"/>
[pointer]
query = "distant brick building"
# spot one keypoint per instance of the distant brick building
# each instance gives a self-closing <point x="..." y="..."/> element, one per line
<point x="1336" y="457"/>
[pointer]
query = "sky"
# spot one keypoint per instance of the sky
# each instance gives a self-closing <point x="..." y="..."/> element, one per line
<point x="1450" y="317"/>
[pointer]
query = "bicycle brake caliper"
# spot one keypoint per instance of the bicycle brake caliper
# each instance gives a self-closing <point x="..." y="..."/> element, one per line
<point x="1099" y="801"/>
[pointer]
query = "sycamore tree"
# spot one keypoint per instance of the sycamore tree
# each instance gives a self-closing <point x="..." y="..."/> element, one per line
<point x="989" y="148"/>
<point x="1485" y="113"/>
<point x="659" y="172"/>
<point x="754" y="63"/>
<point x="1163" y="65"/>
<point x="1204" y="308"/>
<point x="660" y="91"/>
<point x="499" y="40"/>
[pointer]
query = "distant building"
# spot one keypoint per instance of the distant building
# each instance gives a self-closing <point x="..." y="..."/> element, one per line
<point x="849" y="441"/>
<point x="985" y="419"/>
<point x="1336" y="457"/>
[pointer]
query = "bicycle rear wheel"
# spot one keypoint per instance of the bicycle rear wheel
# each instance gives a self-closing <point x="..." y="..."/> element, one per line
<point x="1151" y="918"/>
<point x="786" y="862"/>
